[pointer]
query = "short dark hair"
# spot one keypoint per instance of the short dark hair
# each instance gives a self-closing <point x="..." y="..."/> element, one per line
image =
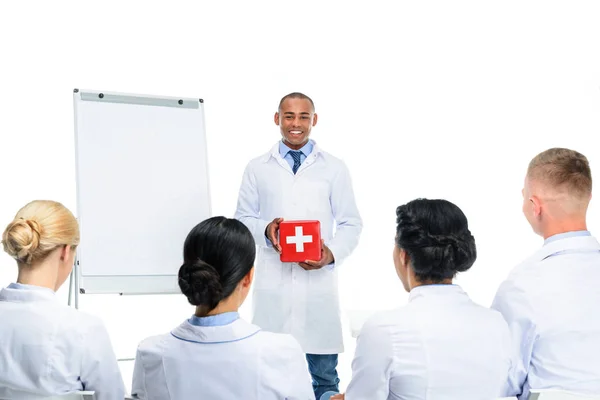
<point x="436" y="236"/>
<point x="296" y="95"/>
<point x="562" y="168"/>
<point x="217" y="254"/>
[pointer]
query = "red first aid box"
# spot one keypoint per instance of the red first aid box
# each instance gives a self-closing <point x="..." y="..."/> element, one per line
<point x="300" y="241"/>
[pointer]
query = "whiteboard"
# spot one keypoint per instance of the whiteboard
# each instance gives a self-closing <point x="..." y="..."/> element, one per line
<point x="142" y="185"/>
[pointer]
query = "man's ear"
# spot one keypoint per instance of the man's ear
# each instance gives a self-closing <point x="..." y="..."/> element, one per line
<point x="536" y="205"/>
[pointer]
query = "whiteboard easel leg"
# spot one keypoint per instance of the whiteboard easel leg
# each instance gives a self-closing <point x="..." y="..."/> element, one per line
<point x="71" y="286"/>
<point x="76" y="279"/>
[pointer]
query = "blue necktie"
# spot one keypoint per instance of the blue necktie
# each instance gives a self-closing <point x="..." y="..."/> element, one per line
<point x="296" y="157"/>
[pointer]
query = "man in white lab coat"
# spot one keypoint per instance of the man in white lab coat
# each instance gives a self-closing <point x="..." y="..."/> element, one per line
<point x="550" y="301"/>
<point x="297" y="180"/>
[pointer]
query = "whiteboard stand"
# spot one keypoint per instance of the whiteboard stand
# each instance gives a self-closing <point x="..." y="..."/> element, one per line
<point x="142" y="185"/>
<point x="71" y="286"/>
<point x="73" y="280"/>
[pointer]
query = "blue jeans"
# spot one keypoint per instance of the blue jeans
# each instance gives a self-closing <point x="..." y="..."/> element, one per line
<point x="323" y="372"/>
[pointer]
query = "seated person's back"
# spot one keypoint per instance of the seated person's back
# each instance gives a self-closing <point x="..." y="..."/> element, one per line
<point x="551" y="300"/>
<point x="48" y="348"/>
<point x="215" y="354"/>
<point x="441" y="345"/>
<point x="559" y="312"/>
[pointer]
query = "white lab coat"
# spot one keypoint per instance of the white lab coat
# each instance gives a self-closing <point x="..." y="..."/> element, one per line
<point x="49" y="349"/>
<point x="286" y="298"/>
<point x="551" y="303"/>
<point x="233" y="361"/>
<point x="441" y="345"/>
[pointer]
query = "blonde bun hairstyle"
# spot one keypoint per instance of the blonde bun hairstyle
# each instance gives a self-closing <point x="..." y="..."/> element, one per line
<point x="39" y="228"/>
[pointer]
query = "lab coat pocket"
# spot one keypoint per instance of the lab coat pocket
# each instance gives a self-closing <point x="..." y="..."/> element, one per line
<point x="323" y="280"/>
<point x="268" y="269"/>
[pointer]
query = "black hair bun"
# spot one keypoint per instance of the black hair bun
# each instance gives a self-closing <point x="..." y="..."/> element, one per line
<point x="201" y="284"/>
<point x="459" y="250"/>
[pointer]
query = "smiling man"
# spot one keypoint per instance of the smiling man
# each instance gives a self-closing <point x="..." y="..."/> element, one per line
<point x="297" y="180"/>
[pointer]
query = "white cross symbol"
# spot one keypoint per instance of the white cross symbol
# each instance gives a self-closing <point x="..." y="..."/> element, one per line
<point x="299" y="239"/>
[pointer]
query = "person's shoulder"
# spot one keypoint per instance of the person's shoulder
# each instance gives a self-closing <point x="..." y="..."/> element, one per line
<point x="488" y="317"/>
<point x="152" y="344"/>
<point x="80" y="326"/>
<point x="385" y="321"/>
<point x="256" y="161"/>
<point x="335" y="164"/>
<point x="81" y="319"/>
<point x="516" y="293"/>
<point x="523" y="276"/>
<point x="492" y="326"/>
<point x="260" y="160"/>
<point x="497" y="322"/>
<point x="152" y="348"/>
<point x="278" y="344"/>
<point x="277" y="339"/>
<point x="327" y="156"/>
<point x="63" y="317"/>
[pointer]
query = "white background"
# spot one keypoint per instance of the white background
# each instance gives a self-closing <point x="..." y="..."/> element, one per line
<point x="433" y="99"/>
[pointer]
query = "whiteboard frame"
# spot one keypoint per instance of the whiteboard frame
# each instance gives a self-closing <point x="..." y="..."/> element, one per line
<point x="129" y="284"/>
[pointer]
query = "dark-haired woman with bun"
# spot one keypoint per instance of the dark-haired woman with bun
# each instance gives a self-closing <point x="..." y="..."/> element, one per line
<point x="48" y="348"/>
<point x="441" y="345"/>
<point x="215" y="354"/>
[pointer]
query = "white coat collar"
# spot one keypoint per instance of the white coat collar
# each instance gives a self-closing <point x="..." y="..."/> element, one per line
<point x="233" y="332"/>
<point x="274" y="153"/>
<point x="27" y="294"/>
<point x="437" y="290"/>
<point x="578" y="243"/>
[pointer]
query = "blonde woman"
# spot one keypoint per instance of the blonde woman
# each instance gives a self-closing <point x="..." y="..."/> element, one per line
<point x="48" y="348"/>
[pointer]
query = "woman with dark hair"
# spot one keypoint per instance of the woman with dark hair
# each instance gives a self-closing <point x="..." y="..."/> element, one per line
<point x="215" y="354"/>
<point x="441" y="345"/>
